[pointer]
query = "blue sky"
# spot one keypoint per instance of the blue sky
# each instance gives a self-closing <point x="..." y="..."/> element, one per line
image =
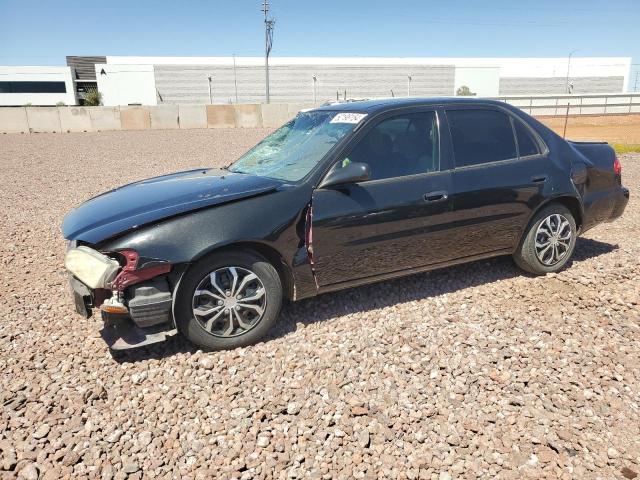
<point x="43" y="32"/>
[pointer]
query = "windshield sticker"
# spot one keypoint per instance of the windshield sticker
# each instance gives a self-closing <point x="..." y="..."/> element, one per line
<point x="348" y="117"/>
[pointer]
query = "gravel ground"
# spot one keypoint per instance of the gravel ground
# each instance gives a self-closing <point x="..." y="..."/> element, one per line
<point x="472" y="371"/>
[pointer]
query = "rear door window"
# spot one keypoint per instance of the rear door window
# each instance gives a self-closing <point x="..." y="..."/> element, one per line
<point x="481" y="136"/>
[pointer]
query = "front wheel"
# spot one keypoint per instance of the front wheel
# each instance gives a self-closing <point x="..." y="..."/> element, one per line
<point x="549" y="241"/>
<point x="228" y="300"/>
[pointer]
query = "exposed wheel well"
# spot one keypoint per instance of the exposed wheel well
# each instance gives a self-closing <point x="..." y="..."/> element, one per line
<point x="573" y="205"/>
<point x="272" y="255"/>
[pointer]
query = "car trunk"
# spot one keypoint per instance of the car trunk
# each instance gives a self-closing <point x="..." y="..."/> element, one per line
<point x="597" y="175"/>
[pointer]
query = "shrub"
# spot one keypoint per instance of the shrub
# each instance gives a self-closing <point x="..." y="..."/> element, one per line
<point x="93" y="98"/>
<point x="465" y="91"/>
<point x="626" y="148"/>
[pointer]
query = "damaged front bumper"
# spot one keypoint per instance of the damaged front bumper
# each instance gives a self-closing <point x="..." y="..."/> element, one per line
<point x="121" y="333"/>
<point x="136" y="304"/>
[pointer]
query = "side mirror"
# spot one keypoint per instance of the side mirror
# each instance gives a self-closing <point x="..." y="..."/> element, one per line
<point x="352" y="173"/>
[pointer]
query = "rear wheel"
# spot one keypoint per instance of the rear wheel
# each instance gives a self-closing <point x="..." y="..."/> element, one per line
<point x="549" y="241"/>
<point x="228" y="300"/>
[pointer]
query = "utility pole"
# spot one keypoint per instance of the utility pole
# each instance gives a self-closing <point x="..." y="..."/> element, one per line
<point x="268" y="43"/>
<point x="315" y="82"/>
<point x="409" y="85"/>
<point x="568" y="70"/>
<point x="235" y="77"/>
<point x="210" y="92"/>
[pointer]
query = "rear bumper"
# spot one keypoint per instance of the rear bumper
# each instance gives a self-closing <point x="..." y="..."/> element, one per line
<point x="604" y="206"/>
<point x="621" y="198"/>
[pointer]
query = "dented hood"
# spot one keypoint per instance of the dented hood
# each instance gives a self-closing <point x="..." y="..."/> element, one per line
<point x="155" y="199"/>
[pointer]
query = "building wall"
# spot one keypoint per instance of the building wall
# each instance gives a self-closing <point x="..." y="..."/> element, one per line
<point x="186" y="79"/>
<point x="483" y="81"/>
<point x="294" y="83"/>
<point x="37" y="74"/>
<point x="83" y="67"/>
<point x="126" y="84"/>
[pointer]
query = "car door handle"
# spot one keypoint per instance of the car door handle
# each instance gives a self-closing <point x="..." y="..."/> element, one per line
<point x="539" y="178"/>
<point x="435" y="196"/>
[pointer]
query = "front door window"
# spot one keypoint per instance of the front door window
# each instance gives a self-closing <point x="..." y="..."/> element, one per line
<point x="400" y="146"/>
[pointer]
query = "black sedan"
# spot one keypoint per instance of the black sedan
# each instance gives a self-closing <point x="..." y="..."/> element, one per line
<point x="341" y="195"/>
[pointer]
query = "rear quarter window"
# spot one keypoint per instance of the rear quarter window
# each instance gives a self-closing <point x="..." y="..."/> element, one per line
<point x="527" y="146"/>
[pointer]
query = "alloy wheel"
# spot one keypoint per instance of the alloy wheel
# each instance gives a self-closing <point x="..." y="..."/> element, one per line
<point x="553" y="239"/>
<point x="229" y="301"/>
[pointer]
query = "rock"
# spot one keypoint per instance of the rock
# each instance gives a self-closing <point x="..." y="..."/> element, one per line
<point x="138" y="378"/>
<point x="262" y="441"/>
<point x="29" y="472"/>
<point x="51" y="474"/>
<point x="364" y="438"/>
<point x="612" y="453"/>
<point x="358" y="411"/>
<point x="206" y="362"/>
<point x="114" y="436"/>
<point x="293" y="408"/>
<point x="70" y="458"/>
<point x="42" y="431"/>
<point x="546" y="455"/>
<point x="144" y="439"/>
<point x="130" y="467"/>
<point x="9" y="459"/>
<point x="628" y="473"/>
<point x="197" y="446"/>
<point x="107" y="472"/>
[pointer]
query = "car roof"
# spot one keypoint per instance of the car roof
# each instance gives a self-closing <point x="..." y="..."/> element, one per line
<point x="382" y="104"/>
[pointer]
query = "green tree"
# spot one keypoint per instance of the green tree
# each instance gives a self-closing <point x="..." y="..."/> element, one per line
<point x="465" y="91"/>
<point x="93" y="98"/>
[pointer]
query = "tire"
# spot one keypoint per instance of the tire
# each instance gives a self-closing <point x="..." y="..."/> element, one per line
<point x="216" y="333"/>
<point x="533" y="257"/>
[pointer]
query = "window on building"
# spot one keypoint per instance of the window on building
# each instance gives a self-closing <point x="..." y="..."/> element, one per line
<point x="481" y="136"/>
<point x="32" y="87"/>
<point x="526" y="144"/>
<point x="400" y="146"/>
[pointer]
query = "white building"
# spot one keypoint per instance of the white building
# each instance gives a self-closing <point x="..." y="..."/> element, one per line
<point x="124" y="80"/>
<point x="154" y="80"/>
<point x="36" y="86"/>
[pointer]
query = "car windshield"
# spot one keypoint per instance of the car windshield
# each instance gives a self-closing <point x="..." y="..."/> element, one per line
<point x="293" y="150"/>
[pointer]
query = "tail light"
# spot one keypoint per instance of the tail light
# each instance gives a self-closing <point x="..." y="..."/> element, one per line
<point x="617" y="167"/>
